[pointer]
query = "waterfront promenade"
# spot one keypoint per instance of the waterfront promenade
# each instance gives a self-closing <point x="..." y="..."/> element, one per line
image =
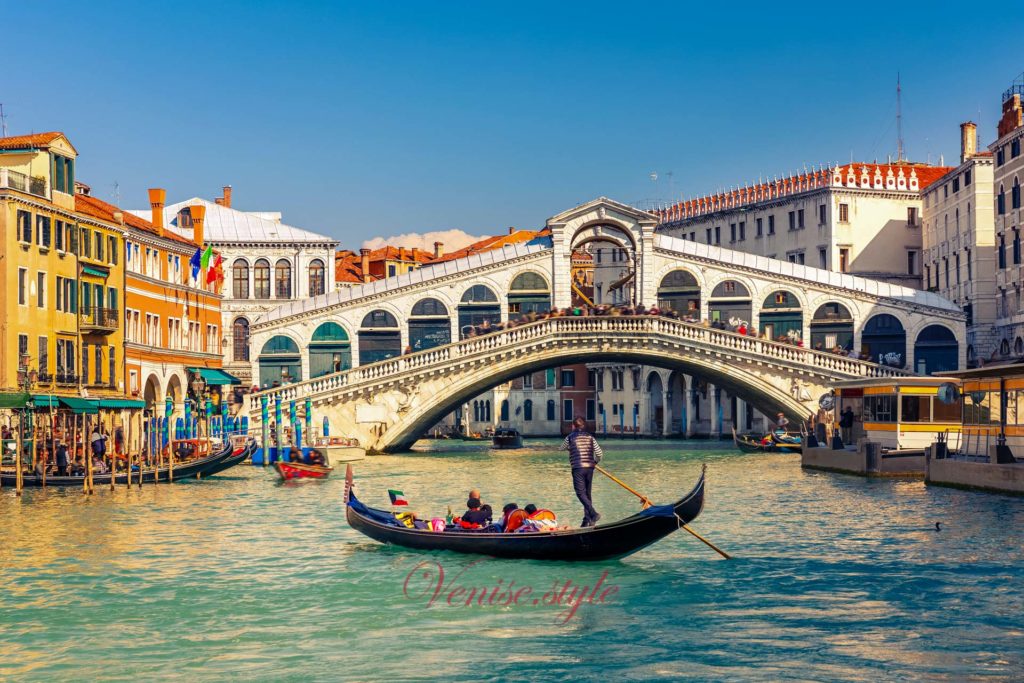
<point x="834" y="578"/>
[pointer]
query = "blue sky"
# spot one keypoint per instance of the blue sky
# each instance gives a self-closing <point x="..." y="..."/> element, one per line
<point x="388" y="118"/>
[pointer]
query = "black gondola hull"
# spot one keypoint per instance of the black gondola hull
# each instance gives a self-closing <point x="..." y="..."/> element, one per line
<point x="603" y="542"/>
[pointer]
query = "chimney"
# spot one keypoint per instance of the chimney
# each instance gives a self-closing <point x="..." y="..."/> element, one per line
<point x="198" y="213"/>
<point x="226" y="201"/>
<point x="157" y="198"/>
<point x="438" y="249"/>
<point x="415" y="255"/>
<point x="511" y="230"/>
<point x="364" y="263"/>
<point x="401" y="254"/>
<point x="968" y="140"/>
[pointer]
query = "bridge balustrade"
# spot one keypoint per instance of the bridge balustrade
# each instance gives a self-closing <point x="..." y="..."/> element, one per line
<point x="476" y="348"/>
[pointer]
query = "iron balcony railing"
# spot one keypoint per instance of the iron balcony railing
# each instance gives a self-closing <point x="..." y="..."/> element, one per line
<point x="100" y="318"/>
<point x="21" y="182"/>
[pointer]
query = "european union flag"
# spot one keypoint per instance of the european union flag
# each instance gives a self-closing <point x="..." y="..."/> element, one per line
<point x="195" y="261"/>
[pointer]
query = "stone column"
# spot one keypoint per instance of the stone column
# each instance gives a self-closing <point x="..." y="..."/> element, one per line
<point x="715" y="408"/>
<point x="561" y="277"/>
<point x="688" y="410"/>
<point x="666" y="412"/>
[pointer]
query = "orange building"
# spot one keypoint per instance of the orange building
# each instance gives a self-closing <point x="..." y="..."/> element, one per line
<point x="172" y="322"/>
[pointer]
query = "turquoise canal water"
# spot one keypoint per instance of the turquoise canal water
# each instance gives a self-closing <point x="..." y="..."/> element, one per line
<point x="238" y="577"/>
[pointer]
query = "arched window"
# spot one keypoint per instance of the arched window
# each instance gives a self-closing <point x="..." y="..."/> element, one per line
<point x="487" y="410"/>
<point x="240" y="339"/>
<point x="329" y="350"/>
<point x="679" y="292"/>
<point x="1018" y="346"/>
<point x="379" y="337"/>
<point x="283" y="279"/>
<point x="476" y="411"/>
<point x="551" y="410"/>
<point x="429" y="325"/>
<point x="261" y="279"/>
<point x="884" y="340"/>
<point x="1004" y="347"/>
<point x="527" y="410"/>
<point x="478" y="308"/>
<point x="529" y="293"/>
<point x="832" y="327"/>
<point x="240" y="279"/>
<point x="781" y="317"/>
<point x="504" y="410"/>
<point x="1015" y="193"/>
<point x="279" y="362"/>
<point x="936" y="350"/>
<point x="317" y="283"/>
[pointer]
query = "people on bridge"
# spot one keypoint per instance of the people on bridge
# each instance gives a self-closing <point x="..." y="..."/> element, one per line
<point x="584" y="454"/>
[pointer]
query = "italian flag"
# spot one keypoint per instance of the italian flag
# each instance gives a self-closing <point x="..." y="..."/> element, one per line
<point x="397" y="497"/>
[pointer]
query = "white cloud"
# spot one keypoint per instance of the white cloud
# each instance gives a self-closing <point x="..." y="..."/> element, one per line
<point x="452" y="239"/>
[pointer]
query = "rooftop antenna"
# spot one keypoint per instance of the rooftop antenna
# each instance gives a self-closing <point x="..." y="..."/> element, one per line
<point x="899" y="120"/>
<point x="3" y="120"/>
<point x="117" y="193"/>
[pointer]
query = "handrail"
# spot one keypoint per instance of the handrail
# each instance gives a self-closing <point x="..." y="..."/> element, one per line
<point x="516" y="337"/>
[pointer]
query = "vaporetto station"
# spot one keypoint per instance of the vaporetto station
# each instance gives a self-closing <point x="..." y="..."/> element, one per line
<point x="385" y="360"/>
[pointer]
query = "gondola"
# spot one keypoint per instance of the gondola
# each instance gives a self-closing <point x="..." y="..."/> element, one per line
<point x="786" y="443"/>
<point x="240" y="453"/>
<point x="201" y="467"/>
<point x="507" y="438"/>
<point x="300" y="470"/>
<point x="748" y="444"/>
<point x="602" y="542"/>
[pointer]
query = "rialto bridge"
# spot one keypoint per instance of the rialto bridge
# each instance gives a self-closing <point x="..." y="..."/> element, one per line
<point x="385" y="360"/>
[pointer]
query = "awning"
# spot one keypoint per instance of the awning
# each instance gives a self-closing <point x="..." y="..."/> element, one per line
<point x="122" y="403"/>
<point x="95" y="272"/>
<point x="45" y="401"/>
<point x="80" y="406"/>
<point x="215" y="376"/>
<point x="13" y="400"/>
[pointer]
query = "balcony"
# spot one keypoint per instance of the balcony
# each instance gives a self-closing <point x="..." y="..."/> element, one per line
<point x="66" y="377"/>
<point x="99" y="319"/>
<point x="19" y="181"/>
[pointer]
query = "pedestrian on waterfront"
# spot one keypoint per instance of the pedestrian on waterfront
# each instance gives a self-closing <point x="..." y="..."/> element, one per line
<point x="584" y="454"/>
<point x="62" y="459"/>
<point x="846" y="425"/>
<point x="99" y="442"/>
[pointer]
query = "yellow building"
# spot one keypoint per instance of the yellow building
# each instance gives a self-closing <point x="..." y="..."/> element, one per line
<point x="39" y="300"/>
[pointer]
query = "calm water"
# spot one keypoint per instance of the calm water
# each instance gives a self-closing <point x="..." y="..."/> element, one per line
<point x="835" y="578"/>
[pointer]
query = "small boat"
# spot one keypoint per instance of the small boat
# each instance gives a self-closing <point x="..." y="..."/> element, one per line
<point x="786" y="443"/>
<point x="749" y="444"/>
<point x="300" y="470"/>
<point x="601" y="542"/>
<point x="201" y="467"/>
<point x="338" y="449"/>
<point x="507" y="438"/>
<point x="472" y="437"/>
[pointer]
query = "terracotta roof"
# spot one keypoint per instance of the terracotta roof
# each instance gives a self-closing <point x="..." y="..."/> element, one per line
<point x="34" y="140"/>
<point x="496" y="242"/>
<point x="820" y="178"/>
<point x="390" y="253"/>
<point x="348" y="267"/>
<point x="97" y="208"/>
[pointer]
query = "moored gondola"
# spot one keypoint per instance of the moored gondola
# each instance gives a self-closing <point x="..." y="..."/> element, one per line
<point x="228" y="456"/>
<point x="749" y="444"/>
<point x="787" y="443"/>
<point x="605" y="541"/>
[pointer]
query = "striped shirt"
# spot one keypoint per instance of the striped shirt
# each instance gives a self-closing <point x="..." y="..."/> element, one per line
<point x="584" y="451"/>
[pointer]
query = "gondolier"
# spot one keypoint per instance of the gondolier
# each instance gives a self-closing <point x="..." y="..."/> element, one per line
<point x="584" y="454"/>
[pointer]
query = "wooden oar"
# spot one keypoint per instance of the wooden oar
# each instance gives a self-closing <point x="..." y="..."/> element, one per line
<point x="646" y="502"/>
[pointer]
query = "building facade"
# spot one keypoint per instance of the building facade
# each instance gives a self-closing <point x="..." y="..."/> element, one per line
<point x="267" y="263"/>
<point x="39" y="299"/>
<point x="1008" y="174"/>
<point x="173" y="325"/>
<point x="863" y="219"/>
<point x="959" y="243"/>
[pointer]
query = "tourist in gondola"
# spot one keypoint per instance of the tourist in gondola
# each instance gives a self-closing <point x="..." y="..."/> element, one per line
<point x="474" y="517"/>
<point x="584" y="454"/>
<point x="317" y="458"/>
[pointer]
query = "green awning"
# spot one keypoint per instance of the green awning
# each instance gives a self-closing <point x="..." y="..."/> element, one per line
<point x="215" y="376"/>
<point x="96" y="272"/>
<point x="45" y="401"/>
<point x="120" y="403"/>
<point x="13" y="400"/>
<point x="80" y="406"/>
